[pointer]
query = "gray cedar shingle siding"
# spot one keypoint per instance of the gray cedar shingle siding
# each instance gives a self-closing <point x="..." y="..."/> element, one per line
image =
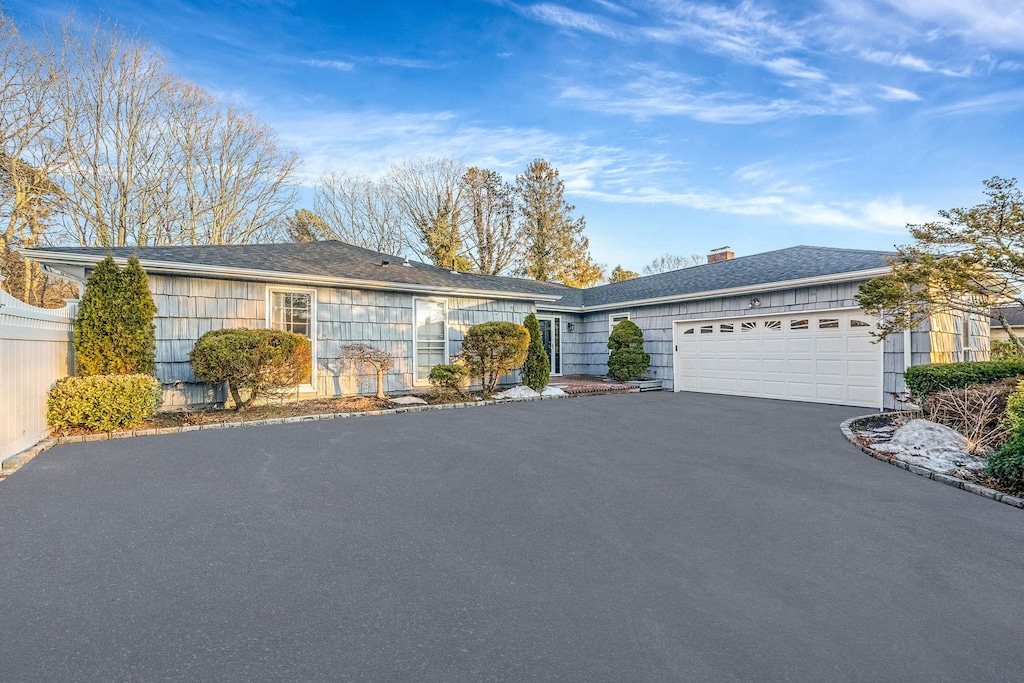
<point x="188" y="307"/>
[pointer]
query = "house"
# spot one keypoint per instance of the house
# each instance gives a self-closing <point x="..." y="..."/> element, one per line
<point x="1014" y="316"/>
<point x="781" y="324"/>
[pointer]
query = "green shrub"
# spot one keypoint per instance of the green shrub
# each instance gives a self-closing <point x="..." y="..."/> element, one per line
<point x="537" y="368"/>
<point x="493" y="349"/>
<point x="114" y="331"/>
<point x="627" y="359"/>
<point x="259" y="361"/>
<point x="924" y="379"/>
<point x="103" y="402"/>
<point x="1014" y="418"/>
<point x="1007" y="464"/>
<point x="449" y="380"/>
<point x="1004" y="349"/>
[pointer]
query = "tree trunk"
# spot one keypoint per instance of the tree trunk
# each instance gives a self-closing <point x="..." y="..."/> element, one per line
<point x="380" y="383"/>
<point x="1017" y="343"/>
<point x="237" y="395"/>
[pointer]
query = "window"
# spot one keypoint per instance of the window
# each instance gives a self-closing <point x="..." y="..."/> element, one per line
<point x="828" y="323"/>
<point x="798" y="324"/>
<point x="614" y="319"/>
<point x="725" y="327"/>
<point x="859" y="323"/>
<point x="773" y="324"/>
<point x="707" y="329"/>
<point x="688" y="331"/>
<point x="430" y="336"/>
<point x="291" y="310"/>
<point x="750" y="325"/>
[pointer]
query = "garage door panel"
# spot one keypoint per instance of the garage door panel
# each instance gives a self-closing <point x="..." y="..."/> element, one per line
<point x="827" y="361"/>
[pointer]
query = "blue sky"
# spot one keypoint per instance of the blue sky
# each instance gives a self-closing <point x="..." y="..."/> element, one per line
<point x="677" y="126"/>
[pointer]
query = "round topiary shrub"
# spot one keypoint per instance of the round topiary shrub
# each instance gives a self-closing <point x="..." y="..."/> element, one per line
<point x="493" y="349"/>
<point x="257" y="361"/>
<point x="627" y="359"/>
<point x="537" y="368"/>
<point x="103" y="402"/>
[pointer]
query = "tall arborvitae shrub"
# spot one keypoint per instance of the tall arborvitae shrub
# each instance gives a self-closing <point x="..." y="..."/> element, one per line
<point x="114" y="330"/>
<point x="627" y="359"/>
<point x="537" y="368"/>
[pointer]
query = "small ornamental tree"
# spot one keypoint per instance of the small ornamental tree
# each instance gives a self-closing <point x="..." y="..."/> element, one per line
<point x="114" y="330"/>
<point x="627" y="359"/>
<point x="378" y="359"/>
<point x="493" y="349"/>
<point x="537" y="368"/>
<point x="449" y="380"/>
<point x="258" y="362"/>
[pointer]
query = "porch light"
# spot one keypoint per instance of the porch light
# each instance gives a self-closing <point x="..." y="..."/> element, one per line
<point x="569" y="327"/>
<point x="755" y="303"/>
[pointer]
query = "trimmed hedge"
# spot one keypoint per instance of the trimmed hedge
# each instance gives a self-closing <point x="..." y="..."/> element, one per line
<point x="103" y="402"/>
<point x="537" y="368"/>
<point x="493" y="349"/>
<point x="924" y="379"/>
<point x="260" y="361"/>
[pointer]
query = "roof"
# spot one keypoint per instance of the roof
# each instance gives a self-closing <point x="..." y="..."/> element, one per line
<point x="341" y="263"/>
<point x="327" y="259"/>
<point x="783" y="265"/>
<point x="1014" y="316"/>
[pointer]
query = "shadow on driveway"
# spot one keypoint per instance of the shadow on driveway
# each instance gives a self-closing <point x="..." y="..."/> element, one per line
<point x="642" y="537"/>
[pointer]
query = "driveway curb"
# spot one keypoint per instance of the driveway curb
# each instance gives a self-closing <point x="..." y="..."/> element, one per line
<point x="934" y="475"/>
<point x="17" y="460"/>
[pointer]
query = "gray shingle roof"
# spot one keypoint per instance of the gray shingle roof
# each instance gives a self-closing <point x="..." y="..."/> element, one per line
<point x="337" y="259"/>
<point x="324" y="259"/>
<point x="794" y="263"/>
<point x="1014" y="316"/>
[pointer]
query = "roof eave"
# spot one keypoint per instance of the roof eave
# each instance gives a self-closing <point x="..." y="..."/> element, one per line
<point x="849" y="276"/>
<point x="178" y="268"/>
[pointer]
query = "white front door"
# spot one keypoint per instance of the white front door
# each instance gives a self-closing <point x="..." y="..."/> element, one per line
<point x="819" y="356"/>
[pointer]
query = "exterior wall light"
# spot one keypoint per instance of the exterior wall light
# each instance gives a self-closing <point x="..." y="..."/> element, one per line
<point x="570" y="327"/>
<point x="755" y="303"/>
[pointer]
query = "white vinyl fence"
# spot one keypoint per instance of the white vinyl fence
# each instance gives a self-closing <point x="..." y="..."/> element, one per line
<point x="35" y="351"/>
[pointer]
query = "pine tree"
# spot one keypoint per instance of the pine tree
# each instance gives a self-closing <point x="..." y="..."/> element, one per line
<point x="620" y="274"/>
<point x="537" y="368"/>
<point x="114" y="330"/>
<point x="556" y="248"/>
<point x="627" y="359"/>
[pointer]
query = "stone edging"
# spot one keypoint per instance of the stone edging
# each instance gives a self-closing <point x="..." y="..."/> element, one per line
<point x="19" y="459"/>
<point x="934" y="475"/>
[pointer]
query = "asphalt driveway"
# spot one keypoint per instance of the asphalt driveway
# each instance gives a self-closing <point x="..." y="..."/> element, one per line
<point x="641" y="537"/>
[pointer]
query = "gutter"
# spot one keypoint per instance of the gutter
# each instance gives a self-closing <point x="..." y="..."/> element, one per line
<point x="733" y="291"/>
<point x="51" y="258"/>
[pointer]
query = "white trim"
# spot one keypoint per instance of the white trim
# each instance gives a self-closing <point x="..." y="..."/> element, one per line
<point x="556" y="321"/>
<point x="611" y="319"/>
<point x="781" y="314"/>
<point x="269" y="316"/>
<point x="178" y="268"/>
<point x="851" y="276"/>
<point x="416" y="382"/>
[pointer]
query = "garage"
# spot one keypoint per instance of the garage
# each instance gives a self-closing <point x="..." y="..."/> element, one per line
<point x="819" y="356"/>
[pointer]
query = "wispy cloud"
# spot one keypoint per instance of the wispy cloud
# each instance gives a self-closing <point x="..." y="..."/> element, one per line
<point x="892" y="94"/>
<point x="1006" y="100"/>
<point x="336" y="64"/>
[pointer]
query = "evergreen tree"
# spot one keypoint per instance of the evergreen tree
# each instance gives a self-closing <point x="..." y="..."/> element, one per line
<point x="537" y="368"/>
<point x="620" y="274"/>
<point x="556" y="248"/>
<point x="306" y="226"/>
<point x="114" y="330"/>
<point x="627" y="359"/>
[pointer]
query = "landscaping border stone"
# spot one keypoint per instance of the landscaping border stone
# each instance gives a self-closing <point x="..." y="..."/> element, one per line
<point x="934" y="475"/>
<point x="18" y="459"/>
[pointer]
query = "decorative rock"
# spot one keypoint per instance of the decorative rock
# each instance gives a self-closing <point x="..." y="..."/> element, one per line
<point x="517" y="392"/>
<point x="552" y="391"/>
<point x="407" y="400"/>
<point x="935" y="446"/>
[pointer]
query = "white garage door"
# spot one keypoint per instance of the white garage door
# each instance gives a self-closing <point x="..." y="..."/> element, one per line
<point x="823" y="356"/>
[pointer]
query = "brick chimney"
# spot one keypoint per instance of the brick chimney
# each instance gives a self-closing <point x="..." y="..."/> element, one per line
<point x="720" y="254"/>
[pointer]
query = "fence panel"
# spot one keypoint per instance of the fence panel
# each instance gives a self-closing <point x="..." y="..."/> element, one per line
<point x="35" y="351"/>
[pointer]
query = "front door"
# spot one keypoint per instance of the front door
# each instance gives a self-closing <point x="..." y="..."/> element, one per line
<point x="551" y="335"/>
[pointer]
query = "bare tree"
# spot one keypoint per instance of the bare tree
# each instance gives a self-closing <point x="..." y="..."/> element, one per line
<point x="493" y="236"/>
<point x="360" y="211"/>
<point x="430" y="195"/>
<point x="377" y="359"/>
<point x="667" y="262"/>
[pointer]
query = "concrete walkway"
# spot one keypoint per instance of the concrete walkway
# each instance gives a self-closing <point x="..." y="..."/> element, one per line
<point x="642" y="537"/>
